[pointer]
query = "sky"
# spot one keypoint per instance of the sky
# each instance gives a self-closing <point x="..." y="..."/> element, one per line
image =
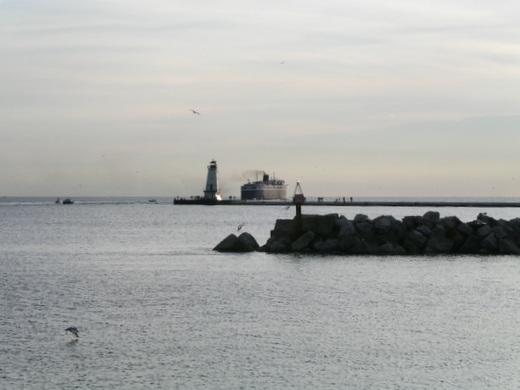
<point x="395" y="98"/>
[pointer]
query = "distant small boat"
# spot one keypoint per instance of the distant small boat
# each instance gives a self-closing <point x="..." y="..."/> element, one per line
<point x="68" y="201"/>
<point x="152" y="200"/>
<point x="59" y="201"/>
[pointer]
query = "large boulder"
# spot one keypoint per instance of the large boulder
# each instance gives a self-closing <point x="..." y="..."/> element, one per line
<point x="449" y="223"/>
<point x="457" y="238"/>
<point x="330" y="245"/>
<point x="504" y="225"/>
<point x="303" y="241"/>
<point x="426" y="222"/>
<point x="226" y="244"/>
<point x="383" y="224"/>
<point x="484" y="231"/>
<point x="399" y="228"/>
<point x="267" y="246"/>
<point x="244" y="243"/>
<point x="365" y="229"/>
<point x="361" y="218"/>
<point x="515" y="222"/>
<point x="425" y="230"/>
<point x="508" y="247"/>
<point x="410" y="247"/>
<point x="471" y="245"/>
<point x="278" y="247"/>
<point x="439" y="231"/>
<point x="492" y="222"/>
<point x="465" y="229"/>
<point x="437" y="244"/>
<point x="281" y="245"/>
<point x="432" y="216"/>
<point x="499" y="232"/>
<point x="411" y="222"/>
<point x="286" y="228"/>
<point x="348" y="242"/>
<point x="490" y="242"/>
<point x="319" y="224"/>
<point x="389" y="237"/>
<point x="417" y="238"/>
<point x="346" y="229"/>
<point x="391" y="249"/>
<point x="476" y="224"/>
<point x="364" y="247"/>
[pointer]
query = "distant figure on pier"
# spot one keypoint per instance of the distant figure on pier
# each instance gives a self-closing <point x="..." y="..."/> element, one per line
<point x="351" y="199"/>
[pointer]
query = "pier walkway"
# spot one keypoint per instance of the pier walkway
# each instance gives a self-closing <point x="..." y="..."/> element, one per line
<point x="237" y="202"/>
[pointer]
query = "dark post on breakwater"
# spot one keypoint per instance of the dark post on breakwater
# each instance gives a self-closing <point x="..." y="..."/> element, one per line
<point x="298" y="200"/>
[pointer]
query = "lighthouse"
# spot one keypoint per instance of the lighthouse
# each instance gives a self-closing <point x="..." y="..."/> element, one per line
<point x="212" y="191"/>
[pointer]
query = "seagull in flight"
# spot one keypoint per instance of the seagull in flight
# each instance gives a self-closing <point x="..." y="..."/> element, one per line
<point x="73" y="330"/>
<point x="240" y="226"/>
<point x="195" y="112"/>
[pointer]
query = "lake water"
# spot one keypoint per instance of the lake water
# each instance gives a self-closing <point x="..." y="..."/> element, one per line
<point x="157" y="308"/>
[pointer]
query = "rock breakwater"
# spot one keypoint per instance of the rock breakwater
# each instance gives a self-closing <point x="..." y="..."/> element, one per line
<point x="385" y="235"/>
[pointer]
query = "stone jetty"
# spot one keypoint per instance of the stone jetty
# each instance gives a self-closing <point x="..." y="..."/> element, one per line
<point x="428" y="234"/>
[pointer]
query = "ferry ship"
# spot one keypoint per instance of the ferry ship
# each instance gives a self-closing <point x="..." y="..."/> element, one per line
<point x="267" y="189"/>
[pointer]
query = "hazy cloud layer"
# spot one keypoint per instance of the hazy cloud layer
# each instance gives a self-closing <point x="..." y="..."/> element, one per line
<point x="375" y="98"/>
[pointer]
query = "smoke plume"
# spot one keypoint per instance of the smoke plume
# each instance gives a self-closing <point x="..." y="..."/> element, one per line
<point x="252" y="175"/>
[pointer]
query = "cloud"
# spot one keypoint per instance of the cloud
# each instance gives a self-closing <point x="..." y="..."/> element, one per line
<point x="382" y="91"/>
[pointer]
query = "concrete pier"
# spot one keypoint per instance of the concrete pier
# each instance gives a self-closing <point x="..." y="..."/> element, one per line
<point x="237" y="202"/>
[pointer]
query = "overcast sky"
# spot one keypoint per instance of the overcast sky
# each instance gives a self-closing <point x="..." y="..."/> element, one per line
<point x="353" y="98"/>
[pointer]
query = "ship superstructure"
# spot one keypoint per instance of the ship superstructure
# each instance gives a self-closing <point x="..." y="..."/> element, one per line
<point x="267" y="189"/>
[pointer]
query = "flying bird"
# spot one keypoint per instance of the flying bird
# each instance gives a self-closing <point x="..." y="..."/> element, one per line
<point x="195" y="112"/>
<point x="240" y="226"/>
<point x="73" y="330"/>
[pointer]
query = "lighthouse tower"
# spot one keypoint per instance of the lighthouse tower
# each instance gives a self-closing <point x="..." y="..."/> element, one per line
<point x="212" y="191"/>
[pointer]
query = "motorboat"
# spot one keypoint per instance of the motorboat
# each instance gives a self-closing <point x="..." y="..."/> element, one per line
<point x="68" y="201"/>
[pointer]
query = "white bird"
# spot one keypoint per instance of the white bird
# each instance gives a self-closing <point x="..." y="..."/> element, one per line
<point x="195" y="112"/>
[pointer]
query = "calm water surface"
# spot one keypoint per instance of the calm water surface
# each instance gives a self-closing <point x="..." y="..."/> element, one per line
<point x="157" y="308"/>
